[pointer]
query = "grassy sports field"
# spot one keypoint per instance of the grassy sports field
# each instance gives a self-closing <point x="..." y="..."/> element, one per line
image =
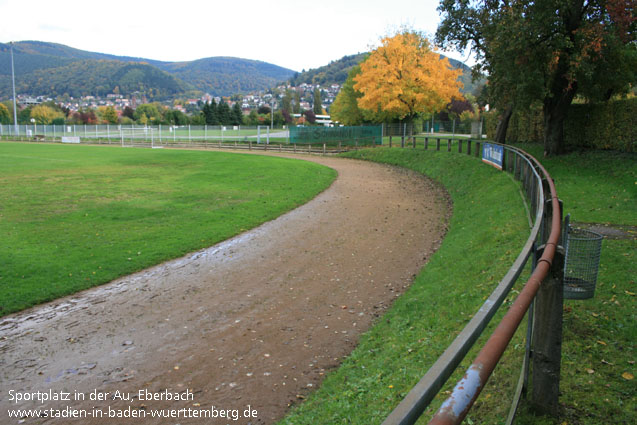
<point x="72" y="217"/>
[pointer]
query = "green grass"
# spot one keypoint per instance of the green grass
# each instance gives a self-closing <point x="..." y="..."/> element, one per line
<point x="475" y="254"/>
<point x="598" y="357"/>
<point x="599" y="347"/>
<point x="596" y="186"/>
<point x="598" y="352"/>
<point x="72" y="217"/>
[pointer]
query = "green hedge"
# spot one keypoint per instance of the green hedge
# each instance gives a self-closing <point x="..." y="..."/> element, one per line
<point x="603" y="125"/>
<point x="607" y="125"/>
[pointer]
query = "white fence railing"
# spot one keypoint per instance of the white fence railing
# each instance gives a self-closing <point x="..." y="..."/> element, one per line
<point x="160" y="134"/>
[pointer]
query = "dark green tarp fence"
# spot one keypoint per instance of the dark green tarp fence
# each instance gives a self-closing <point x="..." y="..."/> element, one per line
<point x="348" y="136"/>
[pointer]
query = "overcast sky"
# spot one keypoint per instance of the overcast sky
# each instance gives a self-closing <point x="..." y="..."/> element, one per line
<point x="296" y="34"/>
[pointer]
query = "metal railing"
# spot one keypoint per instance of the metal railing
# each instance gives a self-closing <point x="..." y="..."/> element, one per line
<point x="543" y="239"/>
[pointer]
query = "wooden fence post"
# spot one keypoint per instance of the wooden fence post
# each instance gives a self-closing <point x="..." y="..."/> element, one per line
<point x="547" y="339"/>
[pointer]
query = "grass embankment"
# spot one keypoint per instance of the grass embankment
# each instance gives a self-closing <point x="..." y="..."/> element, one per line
<point x="598" y="352"/>
<point x="487" y="230"/>
<point x="72" y="217"/>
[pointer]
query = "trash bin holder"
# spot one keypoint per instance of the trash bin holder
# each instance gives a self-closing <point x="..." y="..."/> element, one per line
<point x="583" y="249"/>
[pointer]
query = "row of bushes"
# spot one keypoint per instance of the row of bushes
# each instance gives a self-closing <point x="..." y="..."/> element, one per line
<point x="609" y="125"/>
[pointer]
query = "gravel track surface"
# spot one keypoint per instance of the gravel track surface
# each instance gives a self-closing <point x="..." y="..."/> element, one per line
<point x="257" y="320"/>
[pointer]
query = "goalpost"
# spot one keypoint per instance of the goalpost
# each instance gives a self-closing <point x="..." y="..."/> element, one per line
<point x="138" y="137"/>
<point x="128" y="136"/>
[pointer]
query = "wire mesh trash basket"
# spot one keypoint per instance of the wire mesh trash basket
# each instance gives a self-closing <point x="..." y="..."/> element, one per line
<point x="583" y="250"/>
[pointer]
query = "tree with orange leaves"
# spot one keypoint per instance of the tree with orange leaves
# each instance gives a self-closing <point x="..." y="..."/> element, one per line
<point x="403" y="78"/>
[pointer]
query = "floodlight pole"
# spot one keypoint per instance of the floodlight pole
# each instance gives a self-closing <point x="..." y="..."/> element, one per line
<point x="15" y="113"/>
<point x="272" y="114"/>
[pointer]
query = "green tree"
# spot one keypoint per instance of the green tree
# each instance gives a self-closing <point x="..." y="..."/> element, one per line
<point x="279" y="119"/>
<point x="286" y="102"/>
<point x="345" y="108"/>
<point x="108" y="114"/>
<point x="210" y="114"/>
<point x="197" y="119"/>
<point x="147" y="114"/>
<point x="545" y="51"/>
<point x="24" y="116"/>
<point x="5" y="116"/>
<point x="318" y="107"/>
<point x="143" y="119"/>
<point x="175" y="117"/>
<point x="252" y="118"/>
<point x="296" y="107"/>
<point x="224" y="114"/>
<point x="237" y="114"/>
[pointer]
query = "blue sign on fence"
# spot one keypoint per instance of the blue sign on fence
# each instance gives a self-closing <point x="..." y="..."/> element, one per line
<point x="493" y="154"/>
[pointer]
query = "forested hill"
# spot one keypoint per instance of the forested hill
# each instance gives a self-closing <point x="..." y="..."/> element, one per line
<point x="333" y="73"/>
<point x="336" y="73"/>
<point x="52" y="69"/>
<point x="227" y="75"/>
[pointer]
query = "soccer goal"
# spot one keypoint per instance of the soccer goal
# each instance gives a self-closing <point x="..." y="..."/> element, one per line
<point x="139" y="137"/>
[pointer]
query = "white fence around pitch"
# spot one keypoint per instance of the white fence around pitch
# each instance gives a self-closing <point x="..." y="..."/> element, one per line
<point x="151" y="136"/>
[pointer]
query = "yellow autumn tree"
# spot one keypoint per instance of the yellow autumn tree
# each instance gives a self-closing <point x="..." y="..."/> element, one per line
<point x="43" y="114"/>
<point x="403" y="77"/>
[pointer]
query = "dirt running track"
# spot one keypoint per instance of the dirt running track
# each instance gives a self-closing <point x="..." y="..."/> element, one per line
<point x="255" y="321"/>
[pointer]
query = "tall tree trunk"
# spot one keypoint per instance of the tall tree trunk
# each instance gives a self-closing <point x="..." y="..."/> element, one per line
<point x="562" y="89"/>
<point x="555" y="109"/>
<point x="553" y="131"/>
<point x="503" y="125"/>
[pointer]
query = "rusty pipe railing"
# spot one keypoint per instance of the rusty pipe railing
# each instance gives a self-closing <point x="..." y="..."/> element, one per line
<point x="528" y="169"/>
<point x="467" y="390"/>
